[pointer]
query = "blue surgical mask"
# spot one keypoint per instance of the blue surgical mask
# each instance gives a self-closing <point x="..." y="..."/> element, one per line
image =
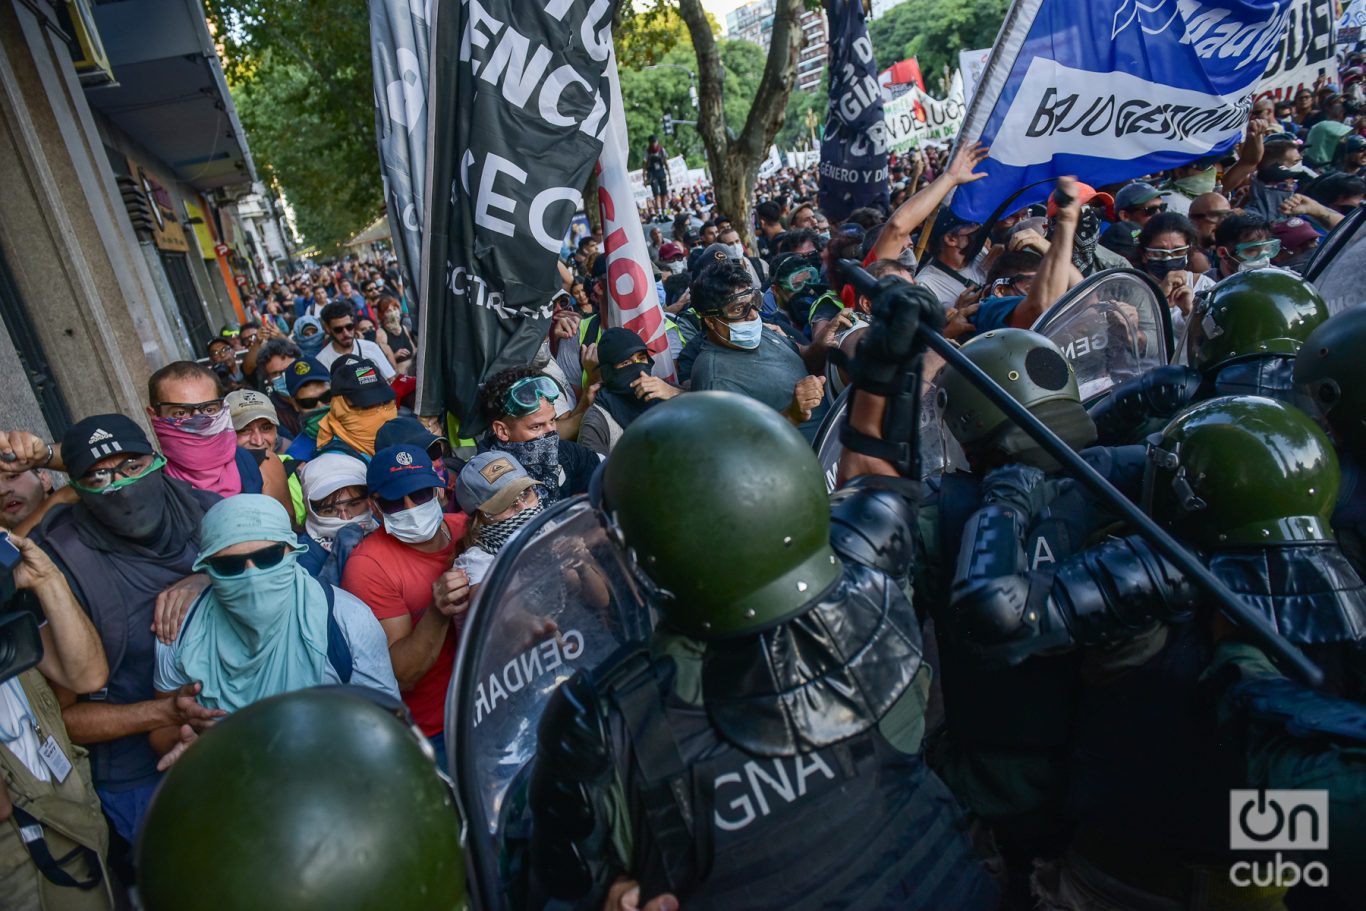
<point x="746" y="334"/>
<point x="278" y="384"/>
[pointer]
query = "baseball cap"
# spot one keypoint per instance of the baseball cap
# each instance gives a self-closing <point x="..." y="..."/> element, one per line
<point x="1086" y="195"/>
<point x="491" y="482"/>
<point x="714" y="253"/>
<point x="406" y="429"/>
<point x="1353" y="143"/>
<point x="1135" y="194"/>
<point x="99" y="436"/>
<point x="358" y="381"/>
<point x="247" y="405"/>
<point x="305" y="370"/>
<point x="670" y="251"/>
<point x="400" y="470"/>
<point x="1294" y="233"/>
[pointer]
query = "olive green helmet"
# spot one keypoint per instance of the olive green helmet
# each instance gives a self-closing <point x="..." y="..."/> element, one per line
<point x="1033" y="370"/>
<point x="1331" y="372"/>
<point x="1242" y="471"/>
<point x="316" y="800"/>
<point x="1267" y="311"/>
<point x="723" y="506"/>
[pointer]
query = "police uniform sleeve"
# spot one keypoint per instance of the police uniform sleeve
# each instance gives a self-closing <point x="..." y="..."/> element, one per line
<point x="1104" y="594"/>
<point x="574" y="857"/>
<point x="873" y="522"/>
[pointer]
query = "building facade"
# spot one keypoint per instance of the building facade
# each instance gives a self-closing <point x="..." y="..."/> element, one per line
<point x="753" y="22"/>
<point x="121" y="245"/>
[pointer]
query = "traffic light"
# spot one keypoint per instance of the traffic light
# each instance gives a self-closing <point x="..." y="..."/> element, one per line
<point x="668" y="125"/>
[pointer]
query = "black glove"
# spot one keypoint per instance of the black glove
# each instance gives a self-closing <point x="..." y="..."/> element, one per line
<point x="900" y="308"/>
<point x="1018" y="487"/>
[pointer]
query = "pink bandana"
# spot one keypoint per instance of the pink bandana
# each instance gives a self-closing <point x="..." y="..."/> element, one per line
<point x="202" y="450"/>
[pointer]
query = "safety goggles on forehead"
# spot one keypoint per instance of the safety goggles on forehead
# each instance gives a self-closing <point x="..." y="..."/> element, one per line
<point x="1162" y="254"/>
<point x="1257" y="249"/>
<point x="525" y="395"/>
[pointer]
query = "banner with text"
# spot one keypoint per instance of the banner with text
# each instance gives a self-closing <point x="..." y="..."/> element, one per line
<point x="1305" y="54"/>
<point x="1111" y="89"/>
<point x="632" y="297"/>
<point x="853" y="169"/>
<point x="520" y="97"/>
<point x="939" y="125"/>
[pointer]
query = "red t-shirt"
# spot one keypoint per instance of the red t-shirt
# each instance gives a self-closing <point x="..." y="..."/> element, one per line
<point x="394" y="579"/>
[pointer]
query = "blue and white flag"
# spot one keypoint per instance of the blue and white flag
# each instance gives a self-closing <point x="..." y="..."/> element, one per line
<point x="853" y="169"/>
<point x="1113" y="89"/>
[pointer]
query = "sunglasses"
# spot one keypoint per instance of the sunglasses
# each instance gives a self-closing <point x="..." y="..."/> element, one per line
<point x="311" y="401"/>
<point x="418" y="498"/>
<point x="265" y="558"/>
<point x="1152" y="210"/>
<point x="348" y="329"/>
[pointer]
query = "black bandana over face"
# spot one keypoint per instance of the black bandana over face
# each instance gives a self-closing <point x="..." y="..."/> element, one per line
<point x="541" y="459"/>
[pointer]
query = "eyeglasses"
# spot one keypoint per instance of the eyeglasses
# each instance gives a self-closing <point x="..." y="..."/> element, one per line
<point x="1151" y="210"/>
<point x="342" y="508"/>
<point x="1257" y="249"/>
<point x="1162" y="254"/>
<point x="186" y="409"/>
<point x="523" y="501"/>
<point x="739" y="306"/>
<point x="417" y="497"/>
<point x="100" y="480"/>
<point x="1022" y="282"/>
<point x="264" y="558"/>
<point x="525" y="395"/>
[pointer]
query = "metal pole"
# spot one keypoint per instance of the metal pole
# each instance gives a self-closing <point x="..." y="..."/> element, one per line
<point x="1262" y="633"/>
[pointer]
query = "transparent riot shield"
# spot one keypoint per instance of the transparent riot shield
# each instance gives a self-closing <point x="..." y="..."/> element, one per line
<point x="559" y="598"/>
<point x="1338" y="269"/>
<point x="1112" y="327"/>
<point x="939" y="451"/>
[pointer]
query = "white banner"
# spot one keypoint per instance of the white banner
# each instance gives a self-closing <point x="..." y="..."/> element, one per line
<point x="1351" y="25"/>
<point x="1305" y="54"/>
<point x="632" y="298"/>
<point x="942" y="118"/>
<point x="770" y="165"/>
<point x="971" y="64"/>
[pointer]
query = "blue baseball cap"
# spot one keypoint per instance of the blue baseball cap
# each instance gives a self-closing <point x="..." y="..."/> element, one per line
<point x="400" y="470"/>
<point x="305" y="370"/>
<point x="406" y="428"/>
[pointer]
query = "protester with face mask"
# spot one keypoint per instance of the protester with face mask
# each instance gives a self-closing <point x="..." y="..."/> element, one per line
<point x="403" y="572"/>
<point x="264" y="626"/>
<point x="1166" y="245"/>
<point x="741" y="354"/>
<point x="309" y="336"/>
<point x="1277" y="179"/>
<point x="308" y="391"/>
<point x="628" y="390"/>
<point x="1298" y="241"/>
<point x="337" y="514"/>
<point x="519" y="407"/>
<point x="500" y="499"/>
<point x="393" y="336"/>
<point x="407" y="429"/>
<point x="1189" y="181"/>
<point x="194" y="428"/>
<point x="127" y="549"/>
<point x="361" y="402"/>
<point x="1243" y="243"/>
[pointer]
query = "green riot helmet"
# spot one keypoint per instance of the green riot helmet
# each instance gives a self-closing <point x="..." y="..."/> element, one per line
<point x="1331" y="372"/>
<point x="722" y="506"/>
<point x="1267" y="311"/>
<point x="316" y="800"/>
<point x="1031" y="368"/>
<point x="1242" y="471"/>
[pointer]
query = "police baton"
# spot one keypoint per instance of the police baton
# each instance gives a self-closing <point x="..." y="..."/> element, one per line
<point x="1262" y="633"/>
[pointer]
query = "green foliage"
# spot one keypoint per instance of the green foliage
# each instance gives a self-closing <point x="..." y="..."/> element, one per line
<point x="934" y="31"/>
<point x="300" y="75"/>
<point x="804" y="111"/>
<point x="648" y="94"/>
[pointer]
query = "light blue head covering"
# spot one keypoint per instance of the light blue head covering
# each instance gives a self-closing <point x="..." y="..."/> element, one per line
<point x="312" y="344"/>
<point x="262" y="632"/>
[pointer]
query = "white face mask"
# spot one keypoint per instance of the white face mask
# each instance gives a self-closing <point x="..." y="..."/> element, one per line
<point x="417" y="525"/>
<point x="675" y="267"/>
<point x="737" y="250"/>
<point x="1254" y="265"/>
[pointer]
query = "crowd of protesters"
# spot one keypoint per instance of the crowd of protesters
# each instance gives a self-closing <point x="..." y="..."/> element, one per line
<point x="290" y="522"/>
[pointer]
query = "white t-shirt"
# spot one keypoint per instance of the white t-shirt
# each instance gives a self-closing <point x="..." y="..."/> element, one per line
<point x="360" y="348"/>
<point x="370" y="663"/>
<point x="945" y="286"/>
<point x="476" y="562"/>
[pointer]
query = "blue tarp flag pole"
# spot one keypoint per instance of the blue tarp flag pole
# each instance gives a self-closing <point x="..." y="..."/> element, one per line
<point x="1113" y="89"/>
<point x="853" y="169"/>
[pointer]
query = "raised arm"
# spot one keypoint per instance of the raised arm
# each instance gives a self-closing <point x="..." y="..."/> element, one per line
<point x="912" y="213"/>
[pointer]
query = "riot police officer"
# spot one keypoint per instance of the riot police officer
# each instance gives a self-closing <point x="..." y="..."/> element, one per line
<point x="317" y="799"/>
<point x="1007" y="734"/>
<point x="1242" y="339"/>
<point x="765" y="750"/>
<point x="1148" y="787"/>
<point x="1331" y="375"/>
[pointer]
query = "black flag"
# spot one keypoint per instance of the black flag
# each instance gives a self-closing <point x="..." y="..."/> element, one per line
<point x="854" y="150"/>
<point x="519" y="94"/>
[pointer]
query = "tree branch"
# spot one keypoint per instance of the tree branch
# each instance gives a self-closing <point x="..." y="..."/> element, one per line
<point x="711" y="112"/>
<point x="780" y="74"/>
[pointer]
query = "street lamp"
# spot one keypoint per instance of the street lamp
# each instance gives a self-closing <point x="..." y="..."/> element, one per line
<point x="692" y="77"/>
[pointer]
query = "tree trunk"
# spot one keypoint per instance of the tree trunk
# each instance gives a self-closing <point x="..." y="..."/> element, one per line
<point x="590" y="204"/>
<point x="735" y="160"/>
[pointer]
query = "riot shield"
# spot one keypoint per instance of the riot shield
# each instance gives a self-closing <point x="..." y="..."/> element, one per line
<point x="939" y="451"/>
<point x="1338" y="269"/>
<point x="559" y="598"/>
<point x="1111" y="327"/>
